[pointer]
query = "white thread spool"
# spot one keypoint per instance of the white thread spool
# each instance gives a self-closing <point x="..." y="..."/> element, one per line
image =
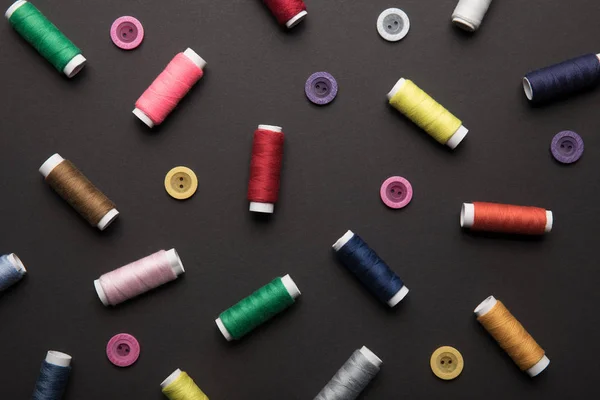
<point x="468" y="14"/>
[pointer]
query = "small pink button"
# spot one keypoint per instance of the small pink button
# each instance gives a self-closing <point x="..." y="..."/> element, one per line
<point x="123" y="350"/>
<point x="396" y="192"/>
<point x="127" y="33"/>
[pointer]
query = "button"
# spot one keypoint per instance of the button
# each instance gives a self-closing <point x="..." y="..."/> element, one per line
<point x="396" y="192"/>
<point x="127" y="33"/>
<point x="393" y="24"/>
<point x="123" y="350"/>
<point x="181" y="183"/>
<point x="567" y="147"/>
<point x="321" y="88"/>
<point x="446" y="363"/>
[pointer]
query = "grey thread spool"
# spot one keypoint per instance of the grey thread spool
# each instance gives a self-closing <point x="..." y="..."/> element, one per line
<point x="53" y="378"/>
<point x="353" y="377"/>
<point x="12" y="270"/>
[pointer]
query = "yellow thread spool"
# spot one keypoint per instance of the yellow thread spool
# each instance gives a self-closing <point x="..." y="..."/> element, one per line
<point x="179" y="386"/>
<point x="512" y="336"/>
<point x="427" y="113"/>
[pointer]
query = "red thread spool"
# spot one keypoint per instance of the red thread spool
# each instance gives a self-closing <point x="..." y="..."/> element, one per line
<point x="265" y="168"/>
<point x="506" y="218"/>
<point x="287" y="12"/>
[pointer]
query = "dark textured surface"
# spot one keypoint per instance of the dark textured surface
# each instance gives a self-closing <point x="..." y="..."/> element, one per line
<point x="336" y="159"/>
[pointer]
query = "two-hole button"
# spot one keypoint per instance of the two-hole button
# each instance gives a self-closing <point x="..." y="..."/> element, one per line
<point x="181" y="183"/>
<point x="446" y="363"/>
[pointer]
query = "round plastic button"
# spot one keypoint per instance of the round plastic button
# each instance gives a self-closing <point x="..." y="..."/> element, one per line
<point x="181" y="183"/>
<point x="393" y="24"/>
<point x="321" y="88"/>
<point x="447" y="363"/>
<point x="127" y="33"/>
<point x="123" y="350"/>
<point x="396" y="192"/>
<point x="567" y="147"/>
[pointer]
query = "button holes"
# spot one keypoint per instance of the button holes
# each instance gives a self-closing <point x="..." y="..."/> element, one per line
<point x="389" y="27"/>
<point x="181" y="186"/>
<point x="181" y="178"/>
<point x="442" y="362"/>
<point x="395" y="22"/>
<point x="449" y="361"/>
<point x="130" y="30"/>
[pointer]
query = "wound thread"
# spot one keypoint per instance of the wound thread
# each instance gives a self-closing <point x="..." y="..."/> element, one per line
<point x="563" y="79"/>
<point x="468" y="14"/>
<point x="506" y="218"/>
<point x="258" y="308"/>
<point x="427" y="113"/>
<point x="54" y="376"/>
<point x="287" y="12"/>
<point x="78" y="191"/>
<point x="45" y="37"/>
<point x="511" y="336"/>
<point x="265" y="168"/>
<point x="12" y="270"/>
<point x="138" y="277"/>
<point x="167" y="90"/>
<point x="180" y="386"/>
<point x="353" y="377"/>
<point x="370" y="269"/>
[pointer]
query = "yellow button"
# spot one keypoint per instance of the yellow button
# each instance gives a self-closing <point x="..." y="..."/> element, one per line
<point x="181" y="183"/>
<point x="447" y="363"/>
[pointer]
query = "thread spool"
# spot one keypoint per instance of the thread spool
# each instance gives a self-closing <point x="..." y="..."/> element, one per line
<point x="511" y="336"/>
<point x="563" y="79"/>
<point x="180" y="386"/>
<point x="265" y="168"/>
<point x="54" y="376"/>
<point x="12" y="270"/>
<point x="258" y="308"/>
<point x="353" y="377"/>
<point x="427" y="113"/>
<point x="78" y="191"/>
<point x="468" y="14"/>
<point x="506" y="218"/>
<point x="138" y="277"/>
<point x="370" y="269"/>
<point x="45" y="37"/>
<point x="287" y="12"/>
<point x="167" y="90"/>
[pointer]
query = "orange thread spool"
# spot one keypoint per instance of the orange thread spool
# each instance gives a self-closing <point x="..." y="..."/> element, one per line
<point x="506" y="218"/>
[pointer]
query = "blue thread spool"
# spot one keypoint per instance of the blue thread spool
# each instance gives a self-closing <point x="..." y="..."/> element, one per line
<point x="562" y="79"/>
<point x="371" y="270"/>
<point x="12" y="270"/>
<point x="53" y="378"/>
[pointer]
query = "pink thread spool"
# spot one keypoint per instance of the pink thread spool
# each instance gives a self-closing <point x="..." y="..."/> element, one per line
<point x="138" y="277"/>
<point x="167" y="90"/>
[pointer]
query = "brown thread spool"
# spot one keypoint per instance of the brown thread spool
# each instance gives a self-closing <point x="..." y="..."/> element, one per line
<point x="506" y="218"/>
<point x="512" y="336"/>
<point x="78" y="191"/>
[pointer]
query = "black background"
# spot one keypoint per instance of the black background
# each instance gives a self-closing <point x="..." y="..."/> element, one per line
<point x="336" y="158"/>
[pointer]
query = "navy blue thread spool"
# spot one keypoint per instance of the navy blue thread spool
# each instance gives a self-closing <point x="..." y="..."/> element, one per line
<point x="11" y="270"/>
<point x="562" y="79"/>
<point x="371" y="270"/>
<point x="53" y="378"/>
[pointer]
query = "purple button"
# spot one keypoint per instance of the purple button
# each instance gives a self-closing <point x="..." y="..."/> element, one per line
<point x="567" y="147"/>
<point x="123" y="350"/>
<point x="127" y="33"/>
<point x="321" y="88"/>
<point x="396" y="192"/>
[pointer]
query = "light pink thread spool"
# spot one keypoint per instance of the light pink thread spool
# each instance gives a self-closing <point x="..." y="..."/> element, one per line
<point x="167" y="90"/>
<point x="138" y="277"/>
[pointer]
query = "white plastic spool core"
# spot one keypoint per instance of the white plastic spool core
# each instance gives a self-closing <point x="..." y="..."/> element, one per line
<point x="296" y="19"/>
<point x="14" y="7"/>
<point x="266" y="208"/>
<point x="486" y="306"/>
<point x="17" y="263"/>
<point x="58" y="358"/>
<point x="455" y="139"/>
<point x="52" y="162"/>
<point x="170" y="379"/>
<point x="528" y="89"/>
<point x="467" y="217"/>
<point x="341" y="242"/>
<point x="463" y="23"/>
<point x="373" y="359"/>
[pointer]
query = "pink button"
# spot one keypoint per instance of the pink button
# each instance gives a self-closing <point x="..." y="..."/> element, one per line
<point x="127" y="33"/>
<point x="396" y="192"/>
<point x="123" y="350"/>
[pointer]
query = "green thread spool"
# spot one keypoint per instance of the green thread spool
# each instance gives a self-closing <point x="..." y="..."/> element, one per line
<point x="427" y="113"/>
<point x="46" y="38"/>
<point x="179" y="386"/>
<point x="257" y="308"/>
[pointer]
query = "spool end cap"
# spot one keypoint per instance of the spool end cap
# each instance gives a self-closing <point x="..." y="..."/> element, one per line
<point x="223" y="330"/>
<point x="295" y="20"/>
